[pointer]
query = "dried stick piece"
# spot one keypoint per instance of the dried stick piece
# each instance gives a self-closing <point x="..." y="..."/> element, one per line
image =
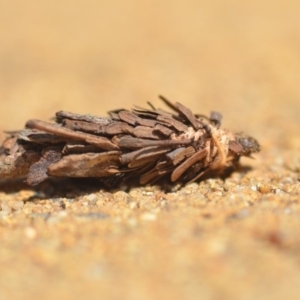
<point x="129" y="142"/>
<point x="62" y="115"/>
<point x="17" y="165"/>
<point x="38" y="171"/>
<point x="180" y="154"/>
<point x="141" y="144"/>
<point x="87" y="165"/>
<point x="173" y="123"/>
<point x="98" y="141"/>
<point x="142" y="153"/>
<point x="187" y="164"/>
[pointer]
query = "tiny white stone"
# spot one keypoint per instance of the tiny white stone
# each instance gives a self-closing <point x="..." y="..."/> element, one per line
<point x="147" y="216"/>
<point x="30" y="232"/>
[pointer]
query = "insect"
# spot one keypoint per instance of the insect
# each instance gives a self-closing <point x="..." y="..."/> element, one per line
<point x="139" y="144"/>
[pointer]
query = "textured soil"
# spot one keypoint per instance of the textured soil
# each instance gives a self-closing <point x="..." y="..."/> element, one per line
<point x="237" y="238"/>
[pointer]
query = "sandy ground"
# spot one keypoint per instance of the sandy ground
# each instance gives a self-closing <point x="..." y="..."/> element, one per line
<point x="232" y="239"/>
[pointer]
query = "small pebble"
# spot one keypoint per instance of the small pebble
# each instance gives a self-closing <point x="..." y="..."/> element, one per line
<point x="120" y="196"/>
<point x="133" y="205"/>
<point x="30" y="232"/>
<point x="147" y="216"/>
<point x="264" y="188"/>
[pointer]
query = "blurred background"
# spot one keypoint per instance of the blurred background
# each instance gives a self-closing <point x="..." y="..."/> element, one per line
<point x="238" y="57"/>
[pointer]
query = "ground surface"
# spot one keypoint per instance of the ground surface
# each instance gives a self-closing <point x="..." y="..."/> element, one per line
<point x="238" y="239"/>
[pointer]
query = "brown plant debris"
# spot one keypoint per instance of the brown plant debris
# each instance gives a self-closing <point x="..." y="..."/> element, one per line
<point x="141" y="144"/>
